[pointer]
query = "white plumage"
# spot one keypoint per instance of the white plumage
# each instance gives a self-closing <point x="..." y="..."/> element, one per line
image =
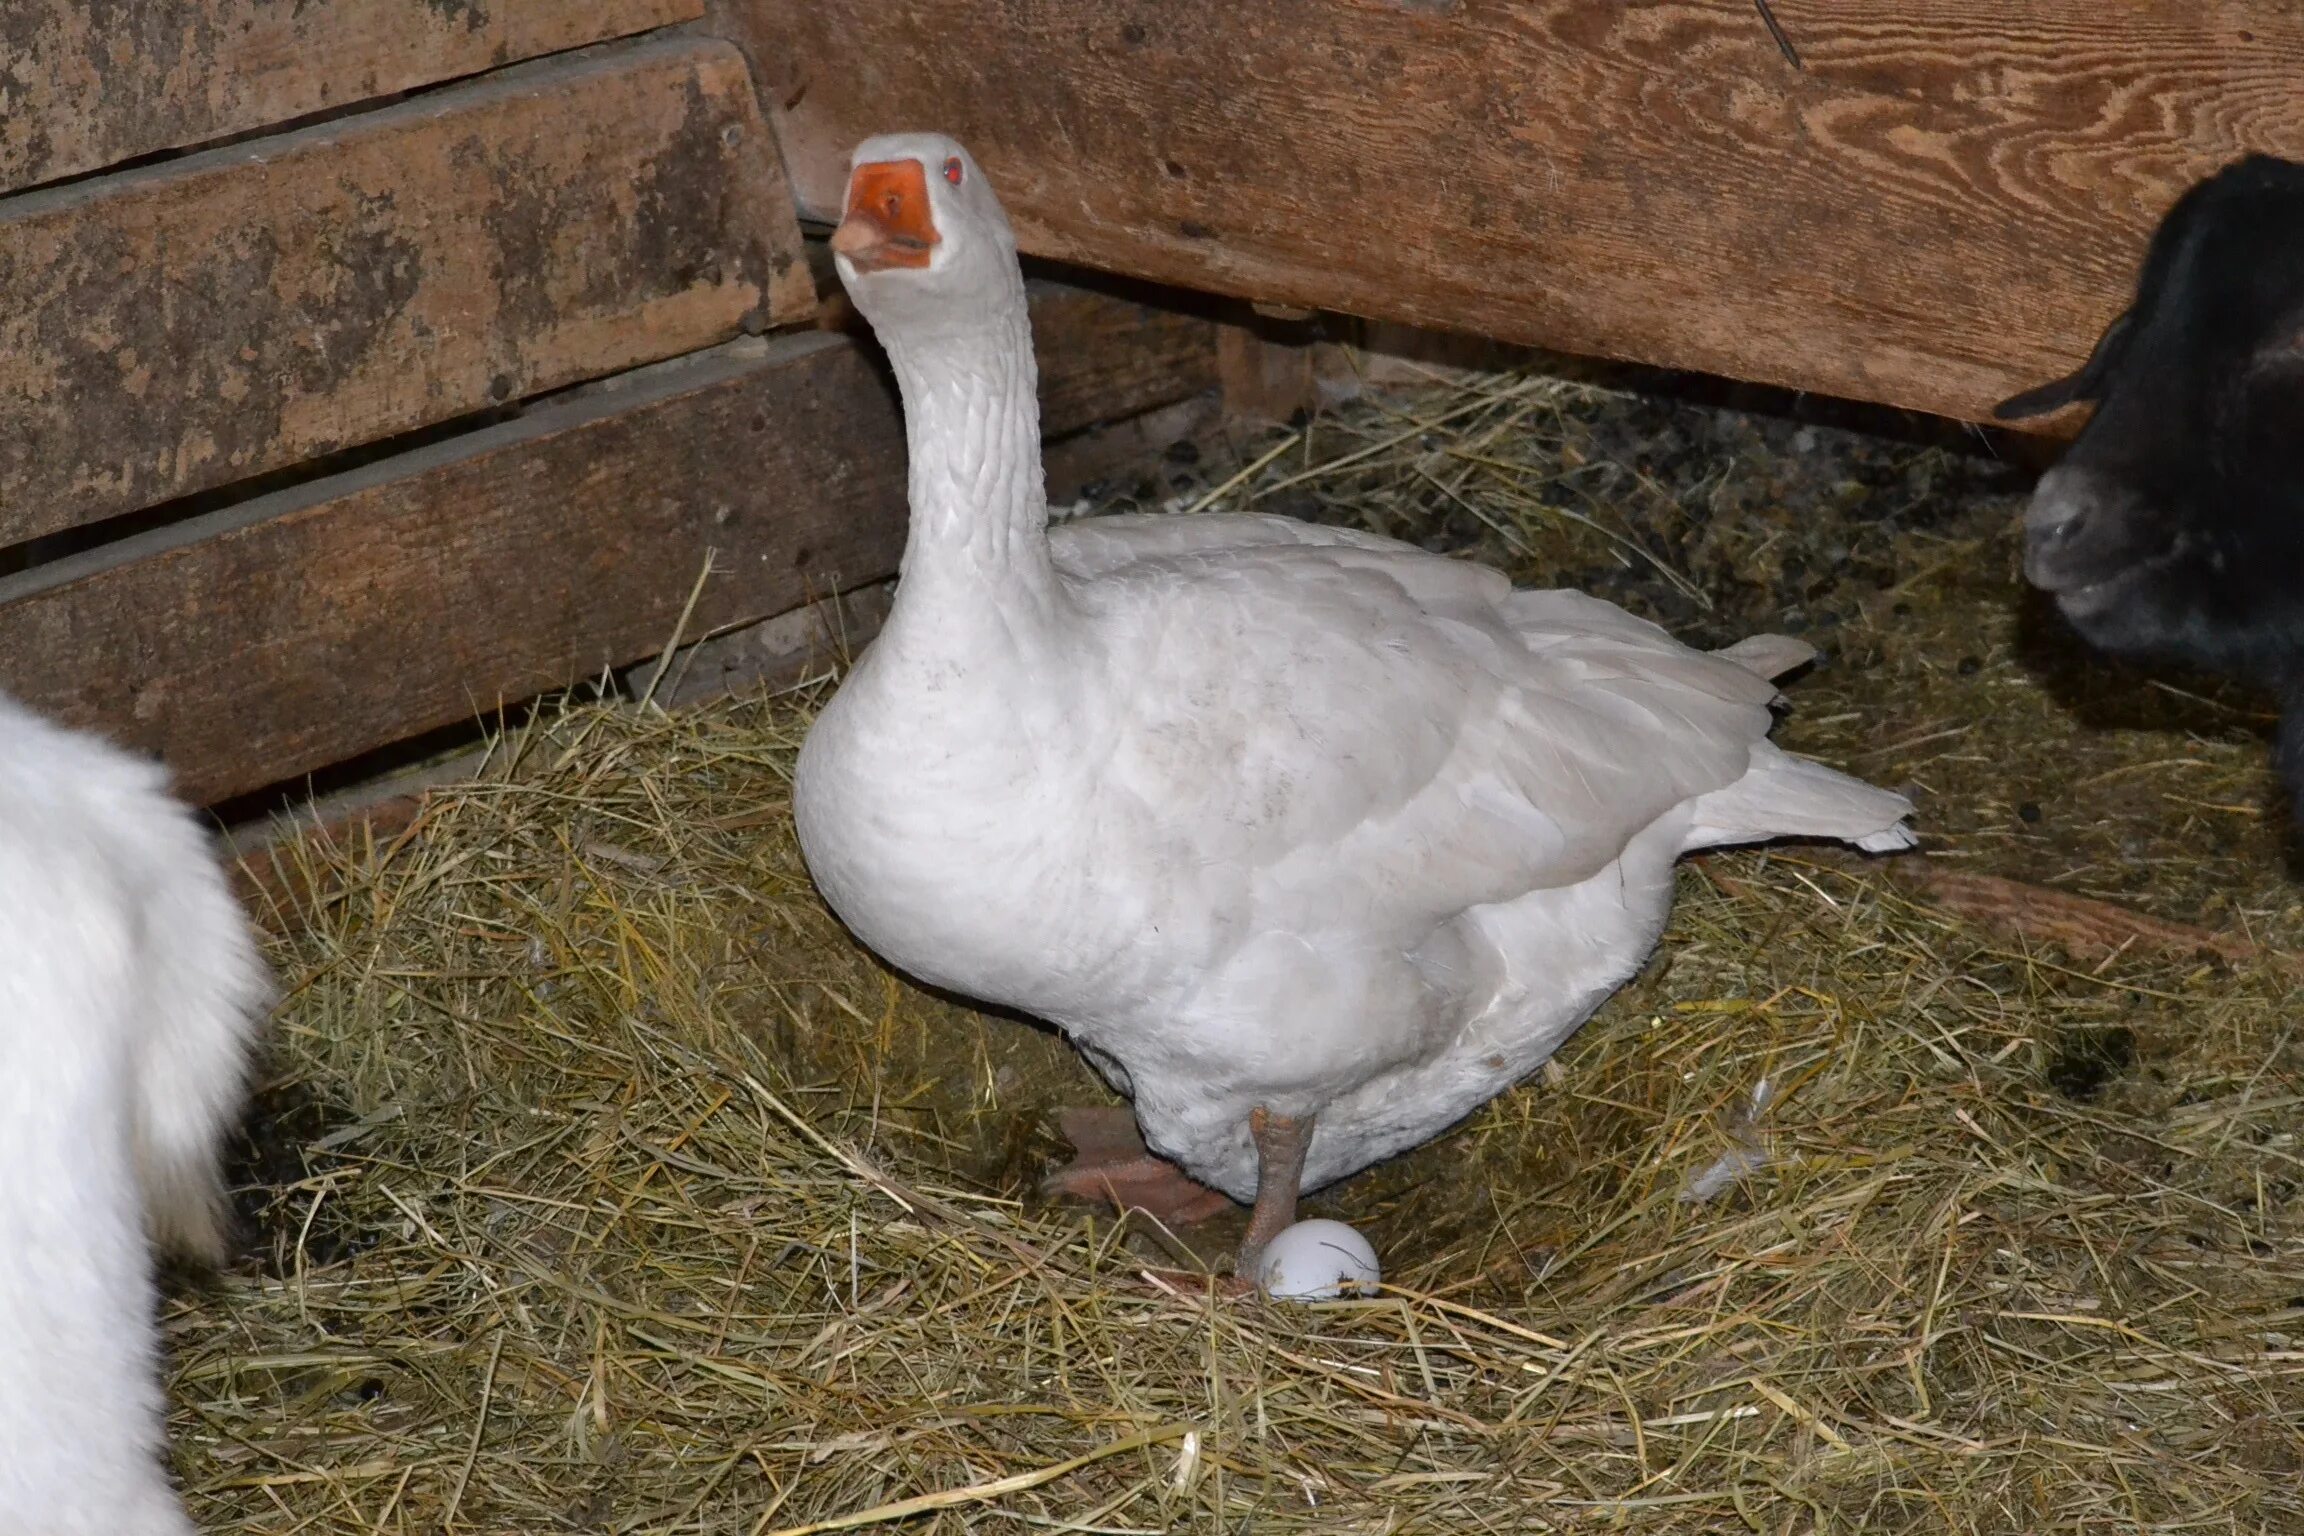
<point x="130" y="987"/>
<point x="1265" y="814"/>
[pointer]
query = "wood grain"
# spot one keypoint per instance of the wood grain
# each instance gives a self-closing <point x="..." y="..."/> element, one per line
<point x="291" y="632"/>
<point x="1105" y="356"/>
<point x="167" y="330"/>
<point x="265" y="855"/>
<point x="93" y="85"/>
<point x="1945" y="205"/>
<point x="295" y="631"/>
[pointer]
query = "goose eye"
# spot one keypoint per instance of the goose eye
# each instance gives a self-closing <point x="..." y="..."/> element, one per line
<point x="952" y="170"/>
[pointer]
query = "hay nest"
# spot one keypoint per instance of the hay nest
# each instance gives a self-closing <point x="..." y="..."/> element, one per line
<point x="602" y="1185"/>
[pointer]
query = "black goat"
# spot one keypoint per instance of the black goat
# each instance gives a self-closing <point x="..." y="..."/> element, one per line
<point x="2173" y="529"/>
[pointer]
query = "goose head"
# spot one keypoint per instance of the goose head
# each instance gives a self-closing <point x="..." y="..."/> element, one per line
<point x="922" y="237"/>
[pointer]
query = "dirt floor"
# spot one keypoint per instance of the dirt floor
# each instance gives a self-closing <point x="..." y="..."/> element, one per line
<point x="600" y="1184"/>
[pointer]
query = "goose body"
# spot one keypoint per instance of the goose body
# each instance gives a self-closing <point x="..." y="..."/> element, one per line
<point x="1272" y="819"/>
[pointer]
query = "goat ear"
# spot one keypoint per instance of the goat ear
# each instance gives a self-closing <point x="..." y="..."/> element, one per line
<point x="2086" y="384"/>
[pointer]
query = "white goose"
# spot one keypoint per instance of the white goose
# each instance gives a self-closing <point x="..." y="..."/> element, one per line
<point x="1311" y="841"/>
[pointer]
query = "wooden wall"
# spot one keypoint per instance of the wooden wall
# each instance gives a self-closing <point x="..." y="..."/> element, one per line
<point x="367" y="366"/>
<point x="1942" y="202"/>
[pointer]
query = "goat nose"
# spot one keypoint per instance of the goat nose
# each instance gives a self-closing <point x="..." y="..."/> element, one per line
<point x="2062" y="527"/>
<point x="2060" y="506"/>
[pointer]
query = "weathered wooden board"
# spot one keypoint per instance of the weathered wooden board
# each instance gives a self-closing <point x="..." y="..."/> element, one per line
<point x="1946" y="203"/>
<point x="176" y="328"/>
<point x="1106" y="356"/>
<point x="92" y="85"/>
<point x="290" y="632"/>
<point x="294" y="631"/>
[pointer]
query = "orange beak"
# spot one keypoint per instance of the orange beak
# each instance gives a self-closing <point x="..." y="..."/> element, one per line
<point x="888" y="223"/>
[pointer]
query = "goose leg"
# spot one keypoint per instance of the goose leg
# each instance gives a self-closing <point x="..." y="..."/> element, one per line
<point x="1112" y="1164"/>
<point x="1281" y="1142"/>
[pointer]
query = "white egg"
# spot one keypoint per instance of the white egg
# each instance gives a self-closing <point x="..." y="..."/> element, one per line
<point x="1317" y="1261"/>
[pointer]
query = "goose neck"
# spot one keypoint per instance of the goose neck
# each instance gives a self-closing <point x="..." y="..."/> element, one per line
<point x="972" y="426"/>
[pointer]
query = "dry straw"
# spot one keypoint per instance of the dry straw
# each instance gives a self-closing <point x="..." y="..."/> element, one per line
<point x="612" y="1190"/>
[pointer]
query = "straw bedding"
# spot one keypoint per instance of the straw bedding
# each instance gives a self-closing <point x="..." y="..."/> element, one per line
<point x="600" y="1184"/>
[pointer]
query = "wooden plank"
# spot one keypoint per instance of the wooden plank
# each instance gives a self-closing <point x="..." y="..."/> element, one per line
<point x="298" y="630"/>
<point x="93" y="85"/>
<point x="1109" y="355"/>
<point x="810" y="641"/>
<point x="1268" y="376"/>
<point x="172" y="329"/>
<point x="256" y="643"/>
<point x="1946" y="203"/>
<point x="261" y="854"/>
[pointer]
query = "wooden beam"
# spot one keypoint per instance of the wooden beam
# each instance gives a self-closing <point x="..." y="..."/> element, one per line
<point x="90" y="86"/>
<point x="277" y="882"/>
<point x="167" y="330"/>
<point x="265" y="640"/>
<point x="1945" y="203"/>
<point x="294" y="631"/>
<point x="1108" y="355"/>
